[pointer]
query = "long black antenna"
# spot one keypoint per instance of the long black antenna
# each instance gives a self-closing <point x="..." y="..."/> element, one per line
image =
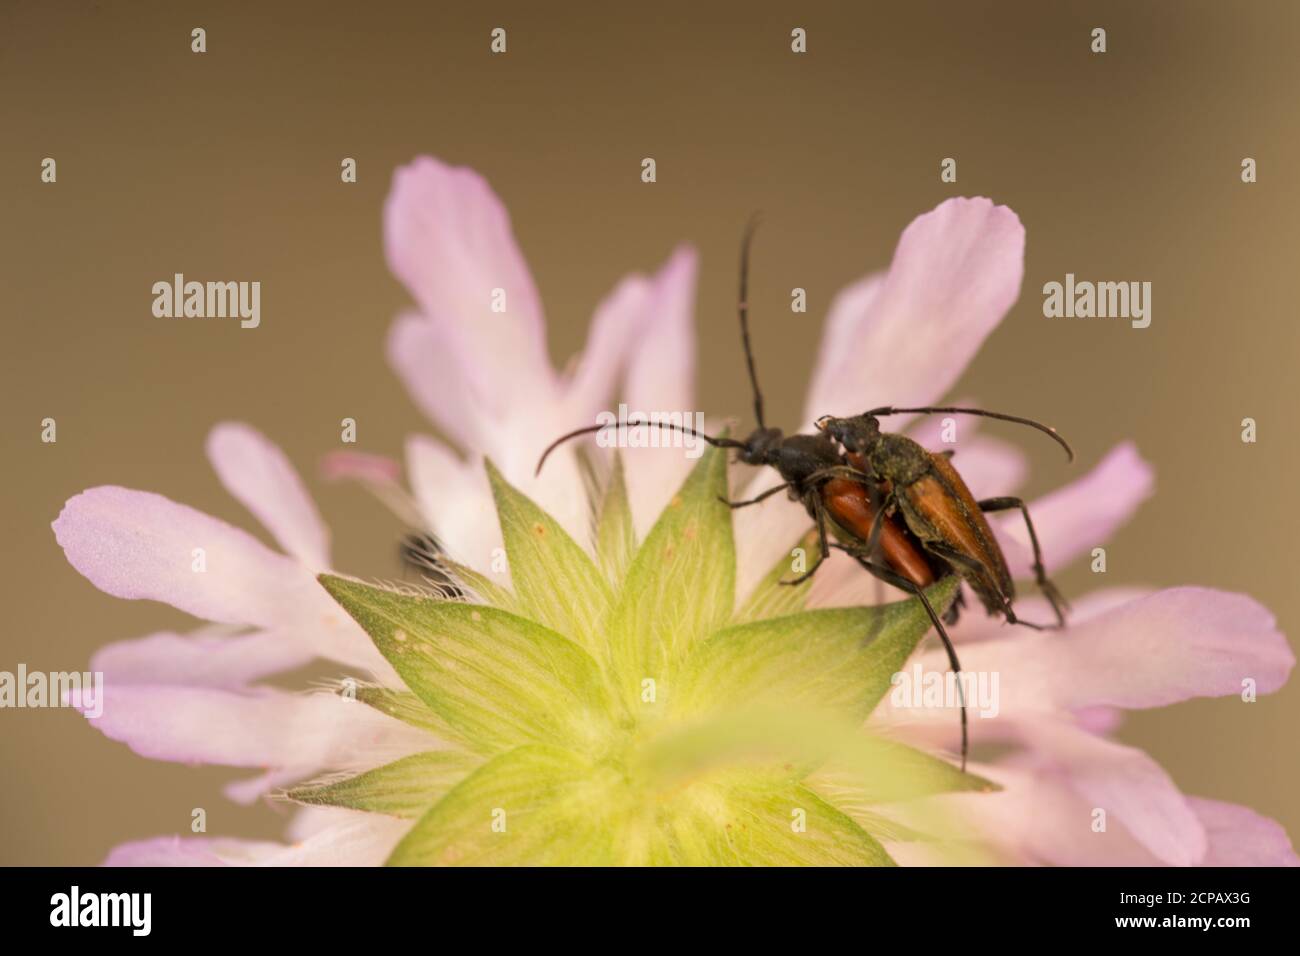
<point x="715" y="442"/>
<point x="1001" y="416"/>
<point x="744" y="315"/>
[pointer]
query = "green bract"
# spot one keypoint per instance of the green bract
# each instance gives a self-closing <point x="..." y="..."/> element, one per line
<point x="621" y="710"/>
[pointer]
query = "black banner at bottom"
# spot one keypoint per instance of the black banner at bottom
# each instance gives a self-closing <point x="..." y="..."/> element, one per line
<point x="364" y="907"/>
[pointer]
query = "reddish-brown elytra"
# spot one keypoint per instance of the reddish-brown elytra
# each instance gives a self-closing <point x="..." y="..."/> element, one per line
<point x="937" y="507"/>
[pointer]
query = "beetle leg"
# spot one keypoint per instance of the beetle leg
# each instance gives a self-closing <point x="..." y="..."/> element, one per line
<point x="976" y="568"/>
<point x="881" y="509"/>
<point x="753" y="501"/>
<point x="1054" y="597"/>
<point x="814" y="499"/>
<point x="883" y="573"/>
<point x="838" y="471"/>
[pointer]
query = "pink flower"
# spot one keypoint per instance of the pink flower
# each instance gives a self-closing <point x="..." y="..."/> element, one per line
<point x="484" y="378"/>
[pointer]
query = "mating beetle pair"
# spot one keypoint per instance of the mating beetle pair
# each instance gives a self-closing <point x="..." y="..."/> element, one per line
<point x="902" y="512"/>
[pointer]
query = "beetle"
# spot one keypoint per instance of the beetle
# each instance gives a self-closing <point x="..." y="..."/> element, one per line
<point x="844" y="496"/>
<point x="939" y="509"/>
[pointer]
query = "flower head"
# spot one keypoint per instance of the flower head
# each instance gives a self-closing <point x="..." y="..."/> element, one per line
<point x="639" y="701"/>
<point x="619" y="709"/>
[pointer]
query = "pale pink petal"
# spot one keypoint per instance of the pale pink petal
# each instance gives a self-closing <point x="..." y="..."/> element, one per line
<point x="1173" y="645"/>
<point x="454" y="496"/>
<point x="329" y="632"/>
<point x="1038" y="818"/>
<point x="764" y="532"/>
<point x="929" y="430"/>
<point x="559" y="490"/>
<point x="1102" y="721"/>
<point x="419" y="352"/>
<point x="931" y="852"/>
<point x="1241" y="837"/>
<point x="842" y="338"/>
<point x="955" y="273"/>
<point x="590" y="377"/>
<point x="361" y="466"/>
<point x="1094" y="604"/>
<point x="841" y="582"/>
<point x="976" y="625"/>
<point x="1127" y="784"/>
<point x="200" y="660"/>
<point x="448" y="238"/>
<point x="1081" y="516"/>
<point x="646" y="327"/>
<point x="257" y="728"/>
<point x="1152" y="651"/>
<point x="258" y="474"/>
<point x="135" y="544"/>
<point x="661" y="378"/>
<point x="365" y="839"/>
<point x="356" y="839"/>
<point x="248" y="790"/>
<point x="379" y="475"/>
<point x="187" y="851"/>
<point x="307" y="821"/>
<point x="456" y="501"/>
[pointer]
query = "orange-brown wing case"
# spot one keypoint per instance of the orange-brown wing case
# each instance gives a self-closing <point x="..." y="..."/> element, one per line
<point x="943" y="499"/>
<point x="850" y="506"/>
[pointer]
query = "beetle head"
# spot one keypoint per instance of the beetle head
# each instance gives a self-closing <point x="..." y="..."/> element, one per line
<point x="762" y="446"/>
<point x="858" y="434"/>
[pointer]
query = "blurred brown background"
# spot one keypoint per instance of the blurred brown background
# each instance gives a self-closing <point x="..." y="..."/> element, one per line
<point x="1122" y="166"/>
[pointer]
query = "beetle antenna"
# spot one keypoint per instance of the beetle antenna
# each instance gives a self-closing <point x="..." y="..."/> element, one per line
<point x="715" y="442"/>
<point x="1001" y="416"/>
<point x="744" y="315"/>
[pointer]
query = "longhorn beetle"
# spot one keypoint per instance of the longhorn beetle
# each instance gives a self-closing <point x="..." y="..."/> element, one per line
<point x="836" y="493"/>
<point x="939" y="509"/>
